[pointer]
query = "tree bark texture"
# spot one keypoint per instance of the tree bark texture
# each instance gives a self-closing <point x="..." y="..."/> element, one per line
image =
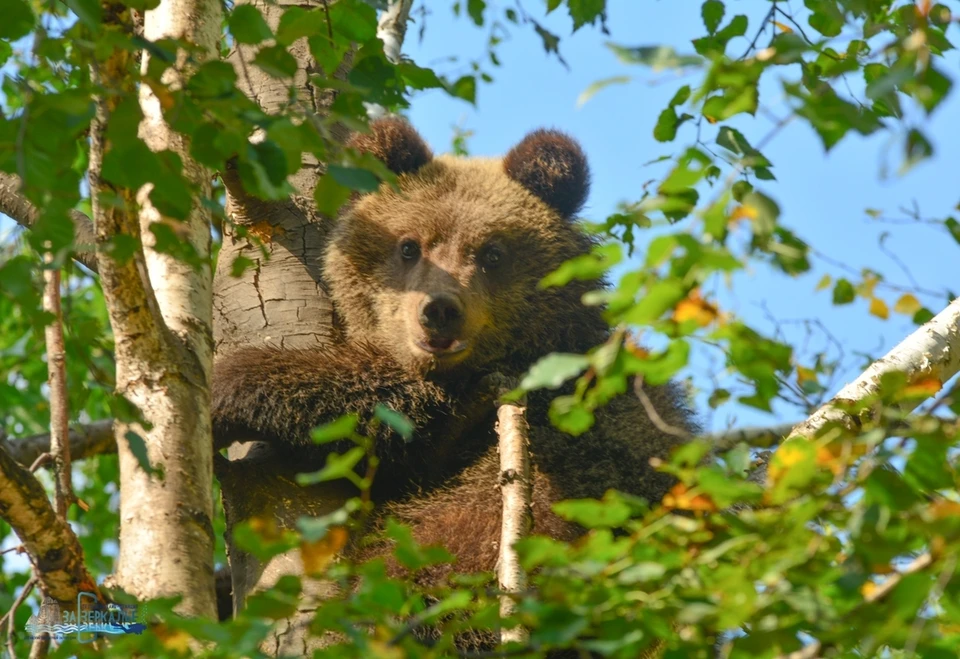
<point x="516" y="490"/>
<point x="51" y="544"/>
<point x="160" y="314"/>
<point x="280" y="301"/>
<point x="932" y="351"/>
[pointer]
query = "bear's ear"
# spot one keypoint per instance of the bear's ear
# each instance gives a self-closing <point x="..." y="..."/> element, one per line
<point x="552" y="166"/>
<point x="396" y="143"/>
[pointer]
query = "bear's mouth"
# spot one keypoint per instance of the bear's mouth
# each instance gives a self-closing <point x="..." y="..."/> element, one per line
<point x="442" y="347"/>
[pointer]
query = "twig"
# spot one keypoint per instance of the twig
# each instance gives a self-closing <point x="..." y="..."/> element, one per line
<point x="11" y="615"/>
<point x="59" y="403"/>
<point x="41" y="460"/>
<point x="516" y="488"/>
<point x="651" y="411"/>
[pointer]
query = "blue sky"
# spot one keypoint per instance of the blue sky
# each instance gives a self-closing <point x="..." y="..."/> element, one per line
<point x="822" y="196"/>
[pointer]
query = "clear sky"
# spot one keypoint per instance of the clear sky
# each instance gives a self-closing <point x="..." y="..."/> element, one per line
<point x="822" y="196"/>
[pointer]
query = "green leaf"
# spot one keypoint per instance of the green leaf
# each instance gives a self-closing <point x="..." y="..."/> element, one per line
<point x="658" y="58"/>
<point x="716" y="44"/>
<point x="475" y="10"/>
<point x="825" y="17"/>
<point x="139" y="449"/>
<point x="342" y="428"/>
<point x="330" y="195"/>
<point x="585" y="12"/>
<point x="917" y="149"/>
<point x="843" y="292"/>
<point x="248" y="26"/>
<point x="595" y="87"/>
<point x="570" y="415"/>
<point x="953" y="227"/>
<point x="87" y="11"/>
<point x="585" y="266"/>
<point x="465" y="88"/>
<point x="17" y="19"/>
<point x="590" y="513"/>
<point x="298" y="23"/>
<point x="666" y="128"/>
<point x="355" y="178"/>
<point x="400" y="423"/>
<point x="658" y="299"/>
<point x="337" y="466"/>
<point x="712" y="13"/>
<point x="276" y="61"/>
<point x="553" y="370"/>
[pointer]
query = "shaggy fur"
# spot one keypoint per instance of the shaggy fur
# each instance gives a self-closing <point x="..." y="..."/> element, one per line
<point x="482" y="233"/>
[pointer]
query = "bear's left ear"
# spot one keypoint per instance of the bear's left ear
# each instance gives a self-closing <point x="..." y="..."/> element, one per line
<point x="396" y="143"/>
<point x="552" y="166"/>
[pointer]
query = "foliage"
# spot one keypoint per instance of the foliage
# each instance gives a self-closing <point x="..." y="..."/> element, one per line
<point x="768" y="568"/>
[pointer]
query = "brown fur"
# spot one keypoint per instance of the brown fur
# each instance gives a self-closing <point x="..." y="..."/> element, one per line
<point x="453" y="211"/>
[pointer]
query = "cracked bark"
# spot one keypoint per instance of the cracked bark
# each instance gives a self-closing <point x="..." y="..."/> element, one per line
<point x="280" y="301"/>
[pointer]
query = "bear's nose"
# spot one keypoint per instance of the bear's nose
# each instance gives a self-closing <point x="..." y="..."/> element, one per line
<point x="442" y="314"/>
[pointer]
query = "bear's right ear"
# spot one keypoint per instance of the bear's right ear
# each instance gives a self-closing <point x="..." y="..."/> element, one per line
<point x="396" y="143"/>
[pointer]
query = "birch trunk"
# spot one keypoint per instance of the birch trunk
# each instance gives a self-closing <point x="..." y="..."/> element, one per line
<point x="160" y="312"/>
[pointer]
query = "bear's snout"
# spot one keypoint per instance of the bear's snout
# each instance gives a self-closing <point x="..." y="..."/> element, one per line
<point x="442" y="316"/>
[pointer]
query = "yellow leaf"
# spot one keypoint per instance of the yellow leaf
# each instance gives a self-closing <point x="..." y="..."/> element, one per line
<point x="805" y="374"/>
<point x="316" y="556"/>
<point x="175" y="640"/>
<point x="923" y="388"/>
<point x="865" y="288"/>
<point x="825" y="282"/>
<point x="679" y="498"/>
<point x="695" y="308"/>
<point x="744" y="212"/>
<point x="785" y="28"/>
<point x="879" y="308"/>
<point x="907" y="304"/>
<point x="867" y="589"/>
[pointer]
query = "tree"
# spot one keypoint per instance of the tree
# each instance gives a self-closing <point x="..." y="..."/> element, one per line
<point x="184" y="176"/>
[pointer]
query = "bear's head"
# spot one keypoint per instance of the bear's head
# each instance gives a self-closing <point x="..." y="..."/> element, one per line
<point x="444" y="273"/>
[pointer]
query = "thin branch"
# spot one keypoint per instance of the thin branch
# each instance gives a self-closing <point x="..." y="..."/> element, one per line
<point x="57" y="380"/>
<point x="516" y="487"/>
<point x="50" y="543"/>
<point x="14" y="204"/>
<point x="11" y="615"/>
<point x="86" y="440"/>
<point x="921" y="562"/>
<point x="652" y="412"/>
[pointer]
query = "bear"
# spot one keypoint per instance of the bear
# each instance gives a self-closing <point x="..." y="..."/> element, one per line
<point x="436" y="284"/>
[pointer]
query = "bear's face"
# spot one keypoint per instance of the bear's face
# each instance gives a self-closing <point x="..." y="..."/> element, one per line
<point x="443" y="274"/>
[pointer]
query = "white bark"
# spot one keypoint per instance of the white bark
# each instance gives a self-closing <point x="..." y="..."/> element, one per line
<point x="516" y="488"/>
<point x="391" y="30"/>
<point x="164" y="360"/>
<point x="932" y="351"/>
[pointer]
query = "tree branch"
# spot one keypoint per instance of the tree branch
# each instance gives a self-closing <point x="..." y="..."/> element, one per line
<point x="57" y="380"/>
<point x="50" y="543"/>
<point x="516" y="488"/>
<point x="86" y="440"/>
<point x="24" y="213"/>
<point x="932" y="351"/>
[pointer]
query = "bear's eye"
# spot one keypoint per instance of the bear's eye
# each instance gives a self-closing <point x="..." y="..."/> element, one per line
<point x="492" y="257"/>
<point x="409" y="250"/>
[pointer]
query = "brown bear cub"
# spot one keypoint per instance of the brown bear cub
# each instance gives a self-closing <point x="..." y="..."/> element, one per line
<point x="437" y="287"/>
